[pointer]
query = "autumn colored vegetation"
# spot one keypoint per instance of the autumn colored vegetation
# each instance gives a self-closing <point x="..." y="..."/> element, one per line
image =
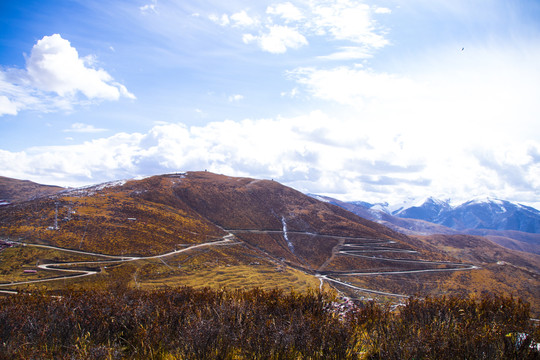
<point x="185" y="323"/>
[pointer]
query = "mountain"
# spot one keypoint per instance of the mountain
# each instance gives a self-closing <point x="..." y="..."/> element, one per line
<point x="511" y="225"/>
<point x="488" y="214"/>
<point x="203" y="229"/>
<point x="430" y="210"/>
<point x="12" y="190"/>
<point x="381" y="214"/>
<point x="492" y="214"/>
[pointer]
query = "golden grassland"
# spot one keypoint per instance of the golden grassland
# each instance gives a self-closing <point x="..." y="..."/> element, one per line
<point x="232" y="266"/>
<point x="14" y="260"/>
<point x="238" y="277"/>
<point x="492" y="279"/>
<point x="111" y="221"/>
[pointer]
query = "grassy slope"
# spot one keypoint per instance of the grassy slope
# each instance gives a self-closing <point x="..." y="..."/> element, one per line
<point x="14" y="190"/>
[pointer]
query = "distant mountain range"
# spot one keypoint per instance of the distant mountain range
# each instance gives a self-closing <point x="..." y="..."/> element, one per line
<point x="488" y="214"/>
<point x="512" y="225"/>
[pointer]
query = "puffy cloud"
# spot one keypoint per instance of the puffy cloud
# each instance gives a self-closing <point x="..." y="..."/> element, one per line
<point x="278" y="39"/>
<point x="334" y="155"/>
<point x="242" y="19"/>
<point x="84" y="163"/>
<point x="54" y="76"/>
<point x="289" y="26"/>
<point x="7" y="107"/>
<point x="382" y="10"/>
<point x="279" y="148"/>
<point x="54" y="65"/>
<point x="236" y="97"/>
<point x="287" y="11"/>
<point x="239" y="19"/>
<point x="347" y="20"/>
<point x="223" y="20"/>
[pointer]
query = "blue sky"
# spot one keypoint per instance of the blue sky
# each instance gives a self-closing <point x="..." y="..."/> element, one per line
<point x="360" y="100"/>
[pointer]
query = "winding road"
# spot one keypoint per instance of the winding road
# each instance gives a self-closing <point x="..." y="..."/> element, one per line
<point x="115" y="259"/>
<point x="372" y="249"/>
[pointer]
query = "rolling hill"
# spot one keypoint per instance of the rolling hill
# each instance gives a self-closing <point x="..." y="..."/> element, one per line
<point x="203" y="229"/>
<point x="13" y="190"/>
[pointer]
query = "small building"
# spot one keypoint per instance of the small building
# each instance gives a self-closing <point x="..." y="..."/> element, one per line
<point x="29" y="271"/>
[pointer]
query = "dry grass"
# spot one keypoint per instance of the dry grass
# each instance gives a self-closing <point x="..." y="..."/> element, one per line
<point x="186" y="323"/>
<point x="238" y="277"/>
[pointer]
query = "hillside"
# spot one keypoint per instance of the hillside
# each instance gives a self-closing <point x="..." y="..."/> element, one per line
<point x="13" y="190"/>
<point x="203" y="229"/>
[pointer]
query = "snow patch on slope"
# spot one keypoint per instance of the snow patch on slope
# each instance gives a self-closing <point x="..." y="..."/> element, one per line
<point x="92" y="189"/>
<point x="318" y="197"/>
<point x="289" y="243"/>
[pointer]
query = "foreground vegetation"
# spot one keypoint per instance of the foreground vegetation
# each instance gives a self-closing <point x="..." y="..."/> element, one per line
<point x="216" y="324"/>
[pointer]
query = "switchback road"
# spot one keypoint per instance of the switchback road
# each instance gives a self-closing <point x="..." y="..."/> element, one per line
<point x="372" y="249"/>
<point x="115" y="259"/>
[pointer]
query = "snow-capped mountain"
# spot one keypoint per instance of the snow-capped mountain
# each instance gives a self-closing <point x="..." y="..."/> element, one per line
<point x="512" y="225"/>
<point x="492" y="214"/>
<point x="487" y="213"/>
<point x="429" y="210"/>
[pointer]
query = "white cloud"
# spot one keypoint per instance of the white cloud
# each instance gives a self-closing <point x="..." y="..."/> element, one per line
<point x="286" y="10"/>
<point x="54" y="76"/>
<point x="338" y="155"/>
<point x="293" y="93"/>
<point x="356" y="86"/>
<point x="223" y="20"/>
<point x="248" y="38"/>
<point x="84" y="128"/>
<point x="235" y="98"/>
<point x="342" y="20"/>
<point x="382" y="10"/>
<point x="278" y="39"/>
<point x="152" y="7"/>
<point x="7" y="107"/>
<point x="242" y="19"/>
<point x="349" y="53"/>
<point x="54" y="65"/>
<point x="464" y="116"/>
<point x="489" y="91"/>
<point x="347" y="20"/>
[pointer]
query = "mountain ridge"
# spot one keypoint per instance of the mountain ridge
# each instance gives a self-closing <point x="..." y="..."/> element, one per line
<point x="439" y="217"/>
<point x="14" y="190"/>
